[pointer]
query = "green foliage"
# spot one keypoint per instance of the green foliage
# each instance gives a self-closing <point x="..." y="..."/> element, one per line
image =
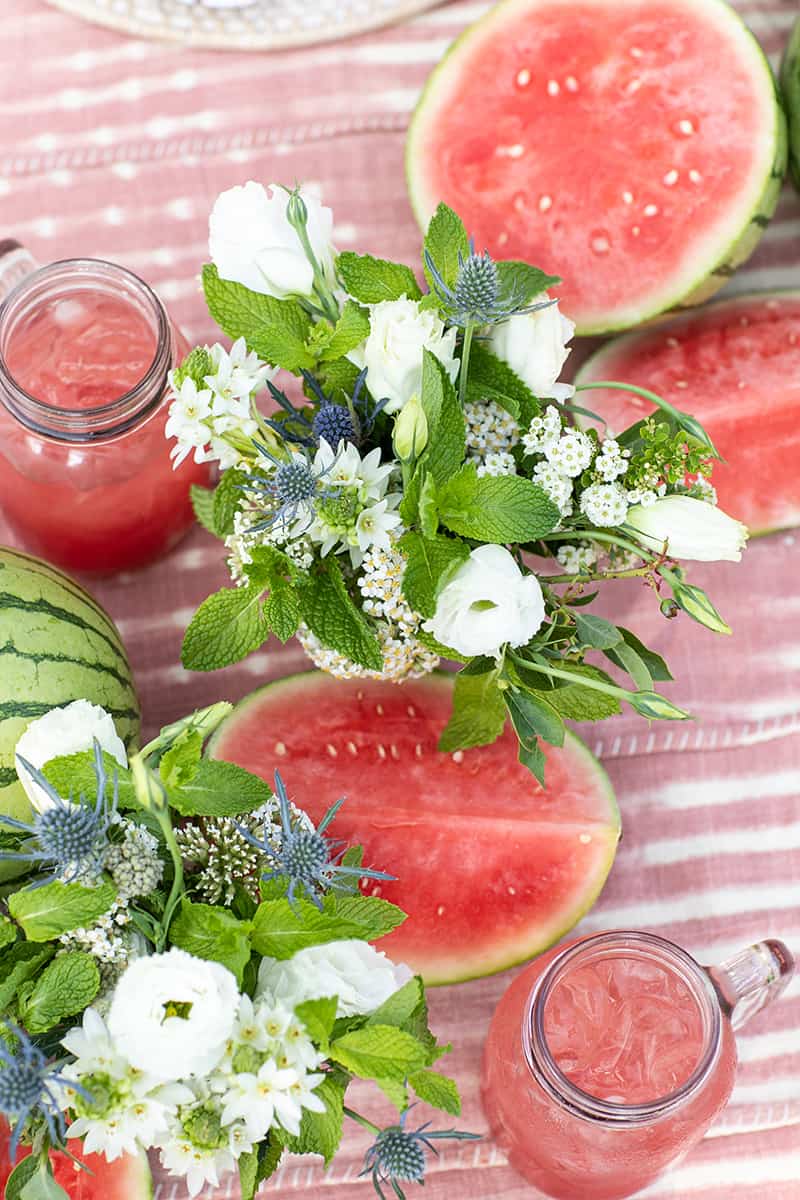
<point x="430" y="563"/>
<point x="349" y="331"/>
<point x="372" y="280"/>
<point x="438" y="1090"/>
<point x="319" y="1017"/>
<point x="577" y="703"/>
<point x="280" y="929"/>
<point x="66" y="987"/>
<point x="47" y="912"/>
<point x="478" y="717"/>
<point x="495" y="508"/>
<point x="227" y="501"/>
<point x="445" y="240"/>
<point x="596" y="632"/>
<point x="492" y="379"/>
<point x="276" y="329"/>
<point x="522" y="281"/>
<point x="227" y="626"/>
<point x="331" y="614"/>
<point x="203" y="505"/>
<point x="380" y="1052"/>
<point x="35" y="1183"/>
<point x="214" y="933"/>
<point x="219" y="789"/>
<point x="446" y="446"/>
<point x="8" y="932"/>
<point x="18" y="964"/>
<point x="533" y="717"/>
<point x="321" y="1133"/>
<point x="73" y="775"/>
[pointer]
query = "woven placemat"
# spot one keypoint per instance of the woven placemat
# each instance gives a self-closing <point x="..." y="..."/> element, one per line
<point x="245" y="24"/>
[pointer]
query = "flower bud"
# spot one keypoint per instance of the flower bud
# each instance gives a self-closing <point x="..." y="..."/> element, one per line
<point x="410" y="430"/>
<point x="656" y="707"/>
<point x="688" y="528"/>
<point x="696" y="603"/>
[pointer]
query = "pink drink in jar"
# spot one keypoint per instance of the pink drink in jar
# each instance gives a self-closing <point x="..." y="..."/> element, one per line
<point x="86" y="479"/>
<point x="609" y="1058"/>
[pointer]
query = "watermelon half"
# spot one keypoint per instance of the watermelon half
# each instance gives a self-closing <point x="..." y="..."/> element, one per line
<point x="790" y="84"/>
<point x="736" y="366"/>
<point x="127" y="1178"/>
<point x="634" y="147"/>
<point x="490" y="867"/>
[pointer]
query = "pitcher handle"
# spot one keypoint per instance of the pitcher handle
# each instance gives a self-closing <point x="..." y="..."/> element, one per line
<point x="752" y="979"/>
<point x="15" y="263"/>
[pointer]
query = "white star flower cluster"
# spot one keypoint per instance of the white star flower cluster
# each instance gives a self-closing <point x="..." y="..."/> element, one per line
<point x="491" y="434"/>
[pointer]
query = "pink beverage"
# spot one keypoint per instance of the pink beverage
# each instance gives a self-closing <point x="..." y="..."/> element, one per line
<point x="609" y="1058"/>
<point x="85" y="474"/>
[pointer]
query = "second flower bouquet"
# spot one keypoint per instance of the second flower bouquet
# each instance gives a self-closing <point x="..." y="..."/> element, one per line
<point x="424" y="487"/>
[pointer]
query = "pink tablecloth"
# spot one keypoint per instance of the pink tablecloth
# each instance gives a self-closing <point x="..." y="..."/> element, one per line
<point x="117" y="147"/>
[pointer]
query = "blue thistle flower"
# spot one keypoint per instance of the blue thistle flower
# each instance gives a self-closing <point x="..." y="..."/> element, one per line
<point x="477" y="298"/>
<point x="398" y="1155"/>
<point x="291" y="490"/>
<point x="334" y="423"/>
<point x="26" y="1089"/>
<point x="70" y="838"/>
<point x="305" y="858"/>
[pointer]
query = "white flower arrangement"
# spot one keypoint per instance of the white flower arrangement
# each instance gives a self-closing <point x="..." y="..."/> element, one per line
<point x="428" y="492"/>
<point x="137" y="1016"/>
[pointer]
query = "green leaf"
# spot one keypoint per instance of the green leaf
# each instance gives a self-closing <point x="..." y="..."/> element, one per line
<point x="380" y="1051"/>
<point x="331" y="615"/>
<point x="73" y="775"/>
<point x="179" y="764"/>
<point x="67" y="986"/>
<point x="270" y="1153"/>
<point x="496" y="508"/>
<point x="227" y="501"/>
<point x="479" y="715"/>
<point x="577" y="703"/>
<point x="213" y="933"/>
<point x="654" y="662"/>
<point x="395" y="1092"/>
<point x="321" y="1133"/>
<point x="532" y="756"/>
<point x="625" y="656"/>
<point x="25" y="1169"/>
<point x="533" y="717"/>
<point x="18" y="964"/>
<point x="696" y="603"/>
<point x="438" y="1090"/>
<point x="522" y="281"/>
<point x="446" y="447"/>
<point x="401" y="1006"/>
<point x="372" y="280"/>
<point x="338" y="378"/>
<point x="350" y="331"/>
<point x="280" y="930"/>
<point x="248" y="1175"/>
<point x="318" y="1016"/>
<point x="8" y="932"/>
<point x="203" y="505"/>
<point x="596" y="631"/>
<point x="219" y="789"/>
<point x="492" y="379"/>
<point x="282" y="610"/>
<point x="41" y="1185"/>
<point x="227" y="626"/>
<point x="56" y="908"/>
<point x="430" y="562"/>
<point x="276" y="329"/>
<point x="446" y="237"/>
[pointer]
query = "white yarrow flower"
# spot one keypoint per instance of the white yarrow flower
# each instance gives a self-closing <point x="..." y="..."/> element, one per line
<point x="557" y="486"/>
<point x="605" y="504"/>
<point x="361" y="976"/>
<point x="571" y="454"/>
<point x="543" y="431"/>
<point x="392" y="353"/>
<point x="67" y="730"/>
<point x="689" y="528"/>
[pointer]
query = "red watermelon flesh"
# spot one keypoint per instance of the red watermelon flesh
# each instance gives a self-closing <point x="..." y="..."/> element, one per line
<point x="491" y="868"/>
<point x="126" y="1179"/>
<point x="736" y="366"/>
<point x="633" y="147"/>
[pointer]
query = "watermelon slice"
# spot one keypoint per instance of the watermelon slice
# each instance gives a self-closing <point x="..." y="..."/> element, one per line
<point x="736" y="366"/>
<point x="634" y="147"/>
<point x="490" y="867"/>
<point x="790" y="84"/>
<point x="128" y="1178"/>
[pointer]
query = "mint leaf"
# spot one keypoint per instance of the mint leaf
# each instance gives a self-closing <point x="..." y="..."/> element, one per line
<point x="72" y="775"/>
<point x="282" y="610"/>
<point x="496" y="508"/>
<point x="219" y="789"/>
<point x="597" y="631"/>
<point x="479" y="714"/>
<point x="532" y="757"/>
<point x="280" y="929"/>
<point x="372" y="280"/>
<point x="401" y="1006"/>
<point x="319" y="1017"/>
<point x="533" y="717"/>
<point x="654" y="662"/>
<point x="350" y="331"/>
<point x="321" y="1133"/>
<point x="46" y="912"/>
<point x="331" y="615"/>
<point x="446" y="237"/>
<point x="213" y="933"/>
<point x="227" y="626"/>
<point x="430" y="562"/>
<point x="395" y="1092"/>
<point x="227" y="501"/>
<point x="276" y="329"/>
<point x="380" y="1052"/>
<point x="179" y="764"/>
<point x="338" y="378"/>
<point x="203" y="505"/>
<point x="248" y="1174"/>
<point x="522" y="281"/>
<point x="492" y="379"/>
<point x="438" y="1090"/>
<point x="65" y="987"/>
<point x="8" y="932"/>
<point x="18" y="964"/>
<point x="578" y="703"/>
<point x="446" y="447"/>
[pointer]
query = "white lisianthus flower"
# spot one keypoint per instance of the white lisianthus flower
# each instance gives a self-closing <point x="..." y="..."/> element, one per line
<point x="252" y="242"/>
<point x="359" y="975"/>
<point x="534" y="344"/>
<point x="68" y="730"/>
<point x="690" y="529"/>
<point x="172" y="1014"/>
<point x="487" y="603"/>
<point x="399" y="330"/>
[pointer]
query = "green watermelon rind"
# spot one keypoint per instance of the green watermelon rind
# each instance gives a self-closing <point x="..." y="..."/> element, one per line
<point x="720" y="267"/>
<point x="525" y="949"/>
<point x="590" y="369"/>
<point x="81" y="648"/>
<point x="790" y="86"/>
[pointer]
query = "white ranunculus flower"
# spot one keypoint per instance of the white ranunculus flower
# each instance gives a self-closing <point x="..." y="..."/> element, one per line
<point x="359" y="975"/>
<point x="252" y="242"/>
<point x="171" y="1014"/>
<point x="534" y="344"/>
<point x="67" y="730"/>
<point x="398" y="333"/>
<point x="487" y="603"/>
<point x="691" y="529"/>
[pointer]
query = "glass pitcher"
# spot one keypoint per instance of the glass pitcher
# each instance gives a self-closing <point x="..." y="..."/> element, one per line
<point x="609" y="1058"/>
<point x="86" y="479"/>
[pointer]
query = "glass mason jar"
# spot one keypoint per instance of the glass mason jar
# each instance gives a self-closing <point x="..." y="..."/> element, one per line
<point x="86" y="479"/>
<point x="626" y="993"/>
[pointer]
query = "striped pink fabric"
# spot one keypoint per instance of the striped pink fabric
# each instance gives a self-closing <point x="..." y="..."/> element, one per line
<point x="116" y="147"/>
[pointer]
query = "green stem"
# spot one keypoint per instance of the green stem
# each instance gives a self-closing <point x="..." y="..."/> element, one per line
<point x="595" y="576"/>
<point x="596" y="685"/>
<point x="370" y="1125"/>
<point x="463" y="373"/>
<point x="608" y="539"/>
<point x="176" y="890"/>
<point x="645" y="393"/>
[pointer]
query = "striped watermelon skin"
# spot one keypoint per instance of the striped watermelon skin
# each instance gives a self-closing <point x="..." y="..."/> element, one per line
<point x="56" y="645"/>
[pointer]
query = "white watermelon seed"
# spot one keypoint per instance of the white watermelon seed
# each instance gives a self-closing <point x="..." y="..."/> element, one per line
<point x="418" y="750"/>
<point x="502" y="238"/>
<point x="635" y="52"/>
<point x="571" y="83"/>
<point x="741" y="384"/>
<point x="651" y="210"/>
<point x="359" y="695"/>
<point x="440" y="911"/>
<point x="395" y="753"/>
<point x="381" y="751"/>
<point x="545" y="203"/>
<point x="600" y="244"/>
<point x="412" y="712"/>
<point x="681" y="383"/>
<point x="458" y="756"/>
<point x="523" y="77"/>
<point x="686" y="127"/>
<point x="280" y="749"/>
<point x="695" y="176"/>
<point x="627" y="197"/>
<point x="672" y="342"/>
<point x="334" y="753"/>
<point x="376" y="891"/>
<point x="353" y="748"/>
<point x="671" y="178"/>
<point x="636" y="230"/>
<point x="585" y="838"/>
<point x="552" y="87"/>
<point x="632" y="87"/>
<point x="379" y="709"/>
<point x="744" y="321"/>
<point x="512" y="891"/>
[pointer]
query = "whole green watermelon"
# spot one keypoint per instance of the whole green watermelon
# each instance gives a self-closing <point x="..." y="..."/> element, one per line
<point x="56" y="645"/>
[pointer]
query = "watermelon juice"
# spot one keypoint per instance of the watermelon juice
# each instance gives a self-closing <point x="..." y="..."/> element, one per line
<point x="609" y="1058"/>
<point x="86" y="479"/>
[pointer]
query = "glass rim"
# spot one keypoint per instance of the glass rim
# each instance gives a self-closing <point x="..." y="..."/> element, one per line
<point x="583" y="1104"/>
<point x="106" y="420"/>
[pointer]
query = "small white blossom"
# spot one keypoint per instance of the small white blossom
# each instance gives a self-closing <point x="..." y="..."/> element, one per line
<point x="263" y="1098"/>
<point x="189" y="414"/>
<point x="134" y="863"/>
<point x="578" y="559"/>
<point x="643" y="496"/>
<point x="558" y="486"/>
<point x="543" y="431"/>
<point x="196" y="1164"/>
<point x="489" y="428"/>
<point x="604" y="504"/>
<point x="612" y="461"/>
<point x="375" y="524"/>
<point x="497" y="462"/>
<point x="571" y="454"/>
<point x="67" y="730"/>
